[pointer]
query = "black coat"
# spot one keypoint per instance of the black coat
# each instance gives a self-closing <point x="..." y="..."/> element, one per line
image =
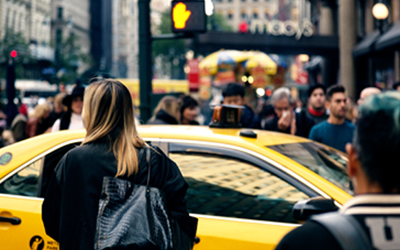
<point x="162" y="117"/>
<point x="303" y="125"/>
<point x="70" y="207"/>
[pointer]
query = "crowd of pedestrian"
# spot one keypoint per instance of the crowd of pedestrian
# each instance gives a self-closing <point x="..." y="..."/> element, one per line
<point x="59" y="113"/>
<point x="328" y="116"/>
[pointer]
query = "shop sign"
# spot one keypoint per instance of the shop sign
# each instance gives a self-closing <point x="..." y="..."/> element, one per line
<point x="259" y="76"/>
<point x="194" y="74"/>
<point x="205" y="84"/>
<point x="280" y="28"/>
<point x="302" y="74"/>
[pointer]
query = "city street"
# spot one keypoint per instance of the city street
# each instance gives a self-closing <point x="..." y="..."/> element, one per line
<point x="266" y="120"/>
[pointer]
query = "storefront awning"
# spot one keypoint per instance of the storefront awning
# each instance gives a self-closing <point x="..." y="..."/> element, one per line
<point x="390" y="38"/>
<point x="366" y="45"/>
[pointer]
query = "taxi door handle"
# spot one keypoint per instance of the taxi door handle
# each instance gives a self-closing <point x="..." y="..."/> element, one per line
<point x="13" y="220"/>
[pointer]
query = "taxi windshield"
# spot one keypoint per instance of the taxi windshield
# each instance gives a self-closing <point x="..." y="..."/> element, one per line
<point x="328" y="163"/>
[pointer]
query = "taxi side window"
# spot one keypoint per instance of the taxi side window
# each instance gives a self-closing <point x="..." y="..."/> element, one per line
<point x="224" y="186"/>
<point x="25" y="182"/>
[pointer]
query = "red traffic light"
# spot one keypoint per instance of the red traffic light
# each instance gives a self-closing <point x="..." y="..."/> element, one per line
<point x="13" y="53"/>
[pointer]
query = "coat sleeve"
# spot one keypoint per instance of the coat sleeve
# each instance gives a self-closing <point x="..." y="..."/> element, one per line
<point x="51" y="207"/>
<point x="310" y="236"/>
<point x="173" y="184"/>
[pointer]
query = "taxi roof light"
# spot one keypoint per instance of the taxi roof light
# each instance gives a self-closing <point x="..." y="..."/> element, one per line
<point x="226" y="116"/>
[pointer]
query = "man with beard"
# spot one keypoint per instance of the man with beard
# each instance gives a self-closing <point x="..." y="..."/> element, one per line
<point x="336" y="131"/>
<point x="284" y="119"/>
<point x="316" y="103"/>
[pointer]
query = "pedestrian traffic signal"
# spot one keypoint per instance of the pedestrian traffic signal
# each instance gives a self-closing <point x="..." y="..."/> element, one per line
<point x="188" y="16"/>
<point x="13" y="53"/>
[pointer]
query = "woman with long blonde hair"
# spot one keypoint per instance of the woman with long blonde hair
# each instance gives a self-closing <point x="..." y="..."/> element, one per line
<point x="166" y="112"/>
<point x="112" y="147"/>
<point x="36" y="125"/>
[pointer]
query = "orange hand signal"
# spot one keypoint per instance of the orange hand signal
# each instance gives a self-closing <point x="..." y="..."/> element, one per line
<point x="180" y="15"/>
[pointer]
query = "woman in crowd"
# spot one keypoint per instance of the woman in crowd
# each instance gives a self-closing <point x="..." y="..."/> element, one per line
<point x="166" y="112"/>
<point x="112" y="147"/>
<point x="36" y="122"/>
<point x="188" y="111"/>
<point x="72" y="119"/>
<point x="58" y="110"/>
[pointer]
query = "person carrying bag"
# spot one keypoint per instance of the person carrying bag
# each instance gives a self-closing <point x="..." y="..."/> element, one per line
<point x="112" y="161"/>
<point x="136" y="217"/>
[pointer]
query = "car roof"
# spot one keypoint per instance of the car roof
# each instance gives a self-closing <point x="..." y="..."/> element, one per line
<point x="204" y="133"/>
<point x="30" y="148"/>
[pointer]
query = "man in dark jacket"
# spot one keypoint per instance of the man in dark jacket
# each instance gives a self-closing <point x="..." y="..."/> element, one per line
<point x="234" y="95"/>
<point x="316" y="104"/>
<point x="376" y="206"/>
<point x="285" y="119"/>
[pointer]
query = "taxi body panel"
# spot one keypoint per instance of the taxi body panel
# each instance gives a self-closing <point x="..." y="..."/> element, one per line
<point x="215" y="232"/>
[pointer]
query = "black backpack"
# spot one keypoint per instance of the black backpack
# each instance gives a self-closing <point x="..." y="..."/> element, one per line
<point x="345" y="229"/>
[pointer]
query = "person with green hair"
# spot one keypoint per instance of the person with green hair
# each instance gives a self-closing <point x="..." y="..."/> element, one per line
<point x="374" y="212"/>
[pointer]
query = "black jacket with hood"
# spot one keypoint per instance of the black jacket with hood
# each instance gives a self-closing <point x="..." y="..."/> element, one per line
<point x="70" y="207"/>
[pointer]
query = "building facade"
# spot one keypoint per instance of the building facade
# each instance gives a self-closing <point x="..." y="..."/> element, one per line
<point x="377" y="53"/>
<point x="124" y="39"/>
<point x="72" y="18"/>
<point x="32" y="20"/>
<point x="249" y="11"/>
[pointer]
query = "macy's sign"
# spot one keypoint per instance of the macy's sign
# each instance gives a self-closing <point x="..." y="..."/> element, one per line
<point x="279" y="28"/>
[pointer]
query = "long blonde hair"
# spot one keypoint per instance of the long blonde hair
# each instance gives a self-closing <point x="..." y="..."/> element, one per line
<point x="40" y="110"/>
<point x="108" y="109"/>
<point x="170" y="105"/>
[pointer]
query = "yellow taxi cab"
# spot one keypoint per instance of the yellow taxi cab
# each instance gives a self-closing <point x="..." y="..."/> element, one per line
<point x="243" y="184"/>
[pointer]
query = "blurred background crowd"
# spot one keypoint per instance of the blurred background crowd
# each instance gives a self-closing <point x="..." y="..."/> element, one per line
<point x="280" y="110"/>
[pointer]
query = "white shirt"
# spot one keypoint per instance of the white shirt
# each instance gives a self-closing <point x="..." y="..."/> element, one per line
<point x="76" y="123"/>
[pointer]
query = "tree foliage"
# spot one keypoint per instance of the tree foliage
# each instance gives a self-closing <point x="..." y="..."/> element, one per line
<point x="68" y="59"/>
<point x="218" y="22"/>
<point x="14" y="41"/>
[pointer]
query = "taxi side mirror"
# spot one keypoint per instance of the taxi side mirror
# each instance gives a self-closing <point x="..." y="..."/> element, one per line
<point x="304" y="209"/>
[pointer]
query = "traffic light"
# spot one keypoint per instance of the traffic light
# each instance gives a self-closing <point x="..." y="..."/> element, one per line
<point x="13" y="53"/>
<point x="188" y="16"/>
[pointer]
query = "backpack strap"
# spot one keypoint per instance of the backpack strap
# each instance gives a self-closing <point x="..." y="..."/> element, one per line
<point x="345" y="229"/>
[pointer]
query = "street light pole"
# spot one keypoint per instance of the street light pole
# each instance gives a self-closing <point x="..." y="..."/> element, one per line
<point x="145" y="65"/>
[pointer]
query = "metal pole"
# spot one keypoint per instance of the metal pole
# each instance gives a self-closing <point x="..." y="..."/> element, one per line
<point x="145" y="68"/>
<point x="348" y="39"/>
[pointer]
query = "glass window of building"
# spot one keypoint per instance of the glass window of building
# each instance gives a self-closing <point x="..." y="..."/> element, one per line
<point x="243" y="14"/>
<point x="266" y="14"/>
<point x="60" y="11"/>
<point x="230" y="14"/>
<point x="255" y="13"/>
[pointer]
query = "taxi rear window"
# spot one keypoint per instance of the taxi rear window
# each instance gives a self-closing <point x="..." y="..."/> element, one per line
<point x="328" y="163"/>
